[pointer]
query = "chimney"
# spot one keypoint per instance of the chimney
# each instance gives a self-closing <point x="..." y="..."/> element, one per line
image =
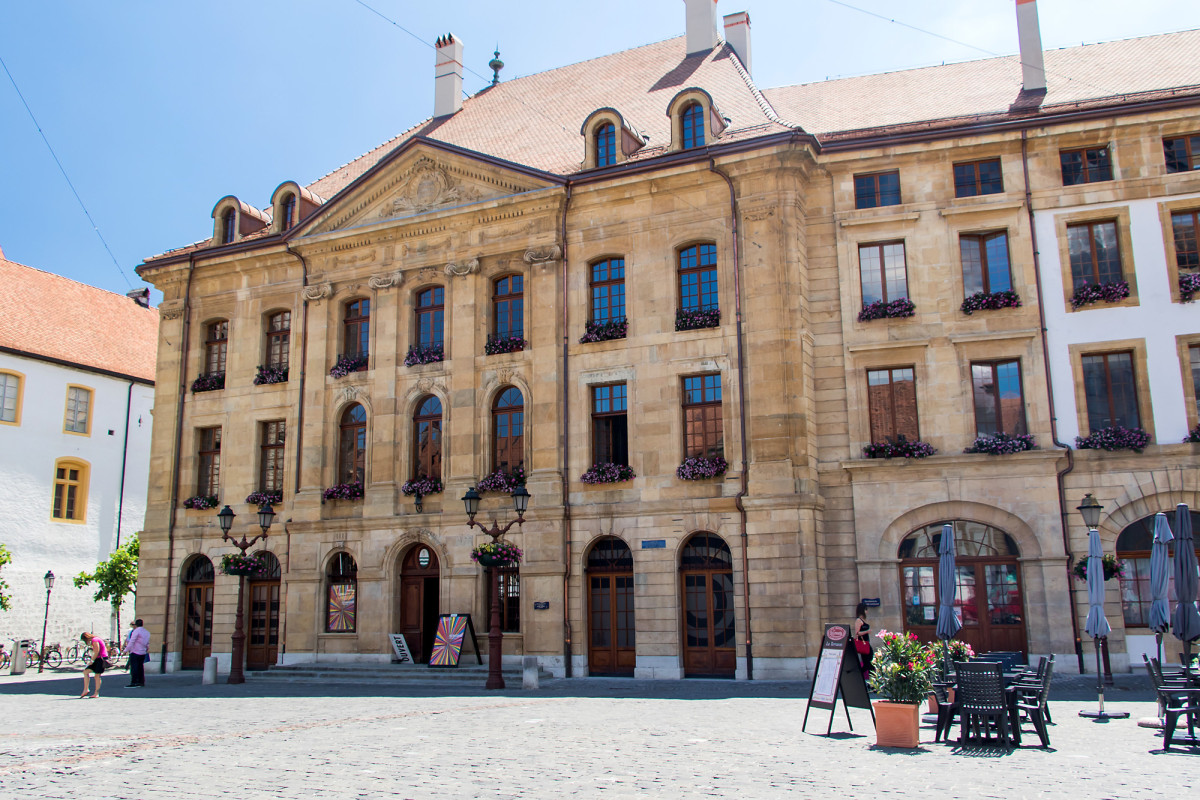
<point x="1033" y="67"/>
<point x="447" y="76"/>
<point x="737" y="35"/>
<point x="140" y="296"/>
<point x="701" y="25"/>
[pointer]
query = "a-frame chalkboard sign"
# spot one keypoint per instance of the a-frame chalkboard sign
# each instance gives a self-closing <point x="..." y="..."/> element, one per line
<point x="837" y="676"/>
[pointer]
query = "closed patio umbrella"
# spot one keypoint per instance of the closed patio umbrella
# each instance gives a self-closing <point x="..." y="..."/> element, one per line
<point x="1185" y="622"/>
<point x="948" y="623"/>
<point x="1160" y="574"/>
<point x="1097" y="624"/>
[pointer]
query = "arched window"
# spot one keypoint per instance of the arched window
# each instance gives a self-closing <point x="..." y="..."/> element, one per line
<point x="698" y="279"/>
<point x="216" y="346"/>
<point x="341" y="614"/>
<point x="692" y="121"/>
<point x="706" y="575"/>
<point x="508" y="430"/>
<point x="198" y="570"/>
<point x="356" y="328"/>
<point x="228" y="226"/>
<point x="352" y="450"/>
<point x="270" y="570"/>
<point x="606" y="145"/>
<point x="279" y="334"/>
<point x="1133" y="547"/>
<point x="288" y="211"/>
<point x="70" y="491"/>
<point x="431" y="317"/>
<point x="508" y="308"/>
<point x="427" y="439"/>
<point x="10" y="398"/>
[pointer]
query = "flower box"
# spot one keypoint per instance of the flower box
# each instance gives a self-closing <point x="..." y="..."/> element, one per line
<point x="503" y="344"/>
<point x="1193" y="435"/>
<point x="422" y="485"/>
<point x="608" y="473"/>
<point x="604" y="331"/>
<point x="698" y="468"/>
<point x="201" y="502"/>
<point x="1001" y="444"/>
<point x="1113" y="568"/>
<point x="347" y="364"/>
<point x="1189" y="284"/>
<point x="344" y="491"/>
<point x="1115" y="438"/>
<point x="897" y="724"/>
<point x="208" y="382"/>
<point x="1088" y="293"/>
<point x="268" y="375"/>
<point x="424" y="354"/>
<point x="497" y="554"/>
<point x="501" y="481"/>
<point x="990" y="301"/>
<point x="896" y="309"/>
<point x="692" y="319"/>
<point x="899" y="448"/>
<point x="242" y="564"/>
<point x="263" y="498"/>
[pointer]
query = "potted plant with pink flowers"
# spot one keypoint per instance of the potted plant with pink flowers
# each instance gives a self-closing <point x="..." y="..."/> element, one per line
<point x="902" y="671"/>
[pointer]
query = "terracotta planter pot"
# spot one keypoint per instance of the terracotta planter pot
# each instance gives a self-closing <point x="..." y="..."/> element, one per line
<point x="897" y="724"/>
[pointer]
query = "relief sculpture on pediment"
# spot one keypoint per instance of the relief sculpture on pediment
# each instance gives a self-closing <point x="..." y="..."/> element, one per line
<point x="428" y="186"/>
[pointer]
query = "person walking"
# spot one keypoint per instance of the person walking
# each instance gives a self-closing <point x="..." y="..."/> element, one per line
<point x="97" y="667"/>
<point x="862" y="639"/>
<point x="137" y="645"/>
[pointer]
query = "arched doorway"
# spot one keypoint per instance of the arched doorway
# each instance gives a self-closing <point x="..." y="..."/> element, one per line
<point x="419" y="600"/>
<point x="198" y="612"/>
<point x="1133" y="547"/>
<point x="262" y="643"/>
<point x="706" y="579"/>
<point x="610" y="608"/>
<point x="989" y="596"/>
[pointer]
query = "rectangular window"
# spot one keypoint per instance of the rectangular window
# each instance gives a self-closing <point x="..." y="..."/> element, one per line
<point x="1183" y="153"/>
<point x="698" y="278"/>
<point x="985" y="262"/>
<point x="877" y="189"/>
<point x="1185" y="226"/>
<point x="274" y="435"/>
<point x="216" y="345"/>
<point x="999" y="401"/>
<point x="608" y="291"/>
<point x="1095" y="253"/>
<point x="79" y="405"/>
<point x="208" y="480"/>
<point x="1088" y="165"/>
<point x="884" y="272"/>
<point x="978" y="177"/>
<point x="510" y="599"/>
<point x="1194" y="362"/>
<point x="70" y="492"/>
<point x="279" y="334"/>
<point x="610" y="442"/>
<point x="892" y="404"/>
<point x="10" y="394"/>
<point x="1110" y="391"/>
<point x="703" y="431"/>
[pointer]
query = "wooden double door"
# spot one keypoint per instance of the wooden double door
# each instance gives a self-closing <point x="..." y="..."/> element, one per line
<point x="709" y="632"/>
<point x="197" y="624"/>
<point x="262" y="639"/>
<point x="419" y="609"/>
<point x="989" y="600"/>
<point x="611" y="626"/>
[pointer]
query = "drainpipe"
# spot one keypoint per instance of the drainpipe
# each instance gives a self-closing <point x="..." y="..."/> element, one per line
<point x="564" y="442"/>
<point x="124" y="459"/>
<point x="299" y="448"/>
<point x="1062" y="474"/>
<point x="741" y="366"/>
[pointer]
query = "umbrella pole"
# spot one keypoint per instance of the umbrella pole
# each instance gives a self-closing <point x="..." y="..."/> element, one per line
<point x="1101" y="714"/>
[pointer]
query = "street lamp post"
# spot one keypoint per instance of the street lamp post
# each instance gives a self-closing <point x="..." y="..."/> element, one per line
<point x="265" y="515"/>
<point x="49" y="578"/>
<point x="520" y="496"/>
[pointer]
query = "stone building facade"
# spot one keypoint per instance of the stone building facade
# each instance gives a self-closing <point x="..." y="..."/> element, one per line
<point x="736" y="294"/>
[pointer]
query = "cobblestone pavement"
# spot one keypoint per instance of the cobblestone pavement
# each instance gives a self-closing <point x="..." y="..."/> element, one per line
<point x="592" y="738"/>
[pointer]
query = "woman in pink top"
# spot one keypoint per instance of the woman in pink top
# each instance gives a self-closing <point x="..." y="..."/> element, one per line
<point x="99" y="653"/>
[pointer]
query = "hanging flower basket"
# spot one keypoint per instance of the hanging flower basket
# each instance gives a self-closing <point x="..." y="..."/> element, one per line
<point x="697" y="318"/>
<point x="262" y="498"/>
<point x="899" y="448"/>
<point x="344" y="491"/>
<point x="423" y="485"/>
<point x="424" y="354"/>
<point x="503" y="344"/>
<point x="604" y="331"/>
<point x="896" y="309"/>
<point x="1193" y="435"/>
<point x="268" y="375"/>
<point x="1088" y="293"/>
<point x="1001" y="444"/>
<point x="241" y="564"/>
<point x="1189" y="284"/>
<point x="608" y="473"/>
<point x="1113" y="568"/>
<point x="501" y="481"/>
<point x="1115" y="438"/>
<point x="347" y="364"/>
<point x="208" y="382"/>
<point x="201" y="502"/>
<point x="497" y="554"/>
<point x="990" y="301"/>
<point x="697" y="468"/>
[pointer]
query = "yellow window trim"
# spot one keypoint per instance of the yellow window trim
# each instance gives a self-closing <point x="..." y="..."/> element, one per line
<point x="81" y="494"/>
<point x="16" y="421"/>
<point x="91" y="404"/>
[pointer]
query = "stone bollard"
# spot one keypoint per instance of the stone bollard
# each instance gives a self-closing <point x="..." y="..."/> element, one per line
<point x="210" y="670"/>
<point x="529" y="674"/>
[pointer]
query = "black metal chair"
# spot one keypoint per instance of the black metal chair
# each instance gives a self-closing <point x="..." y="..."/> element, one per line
<point x="1177" y="701"/>
<point x="946" y="710"/>
<point x="1030" y="683"/>
<point x="982" y="703"/>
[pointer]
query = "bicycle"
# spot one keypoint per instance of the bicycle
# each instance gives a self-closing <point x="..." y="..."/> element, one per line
<point x="51" y="655"/>
<point x="79" y="653"/>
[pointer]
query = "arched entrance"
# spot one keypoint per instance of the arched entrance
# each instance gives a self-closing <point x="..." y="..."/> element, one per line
<point x="198" y="612"/>
<point x="610" y="608"/>
<point x="419" y="600"/>
<point x="262" y="642"/>
<point x="706" y="579"/>
<point x="990" y="599"/>
<point x="1133" y="547"/>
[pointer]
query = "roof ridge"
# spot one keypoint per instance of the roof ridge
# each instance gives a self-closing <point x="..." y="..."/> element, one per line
<point x="62" y="277"/>
<point x="763" y="103"/>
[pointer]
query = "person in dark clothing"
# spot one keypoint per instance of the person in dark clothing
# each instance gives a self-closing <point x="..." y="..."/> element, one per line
<point x="862" y="634"/>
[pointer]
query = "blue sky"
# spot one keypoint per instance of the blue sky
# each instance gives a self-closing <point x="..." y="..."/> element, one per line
<point x="158" y="109"/>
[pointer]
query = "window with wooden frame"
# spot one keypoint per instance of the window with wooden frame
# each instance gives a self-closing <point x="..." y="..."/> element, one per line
<point x="279" y="336"/>
<point x="510" y="598"/>
<point x="1095" y="253"/>
<point x="288" y="210"/>
<point x="427" y="438"/>
<point x="431" y="316"/>
<point x="508" y="307"/>
<point x="703" y="425"/>
<point x="985" y="262"/>
<point x="1133" y="547"/>
<point x="698" y="278"/>
<point x="216" y="346"/>
<point x="1194" y="368"/>
<point x="978" y="177"/>
<point x="1183" y="153"/>
<point x="892" y="404"/>
<point x="877" y="189"/>
<point x="1110" y="391"/>
<point x="1185" y="226"/>
<point x="10" y="398"/>
<point x="78" y="417"/>
<point x="692" y="125"/>
<point x="208" y="466"/>
<point x="70" y="491"/>
<point x="356" y="328"/>
<point x="508" y="430"/>
<point x="1085" y="165"/>
<point x="610" y="426"/>
<point x="607" y="287"/>
<point x="884" y="272"/>
<point x="228" y="226"/>
<point x="341" y="600"/>
<point x="606" y="145"/>
<point x="273" y="436"/>
<point x="999" y="399"/>
<point x="352" y="445"/>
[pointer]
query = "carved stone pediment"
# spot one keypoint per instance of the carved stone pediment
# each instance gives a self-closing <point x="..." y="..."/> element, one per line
<point x="427" y="186"/>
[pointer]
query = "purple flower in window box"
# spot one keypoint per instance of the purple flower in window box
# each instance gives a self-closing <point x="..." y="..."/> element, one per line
<point x="1193" y="435"/>
<point x="502" y="481"/>
<point x="422" y="485"/>
<point x="501" y="343"/>
<point x="1189" y="284"/>
<point x="344" y="491"/>
<point x="208" y="382"/>
<point x="356" y="362"/>
<point x="201" y="502"/>
<point x="262" y="498"/>
<point x="691" y="319"/>
<point x="697" y="468"/>
<point x="899" y="447"/>
<point x="1114" y="438"/>
<point x="1001" y="444"/>
<point x="1088" y="293"/>
<point x="424" y="354"/>
<point x="895" y="309"/>
<point x="242" y="564"/>
<point x="270" y="374"/>
<point x="990" y="301"/>
<point x="605" y="331"/>
<point x="608" y="473"/>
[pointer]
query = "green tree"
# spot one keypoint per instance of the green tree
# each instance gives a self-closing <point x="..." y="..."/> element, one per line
<point x="5" y="598"/>
<point x="115" y="577"/>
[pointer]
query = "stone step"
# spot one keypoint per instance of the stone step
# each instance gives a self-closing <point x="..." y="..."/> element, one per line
<point x="381" y="673"/>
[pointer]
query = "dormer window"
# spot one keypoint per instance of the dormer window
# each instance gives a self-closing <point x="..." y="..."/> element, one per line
<point x="228" y="226"/>
<point x="288" y="212"/>
<point x="693" y="126"/>
<point x="608" y="139"/>
<point x="606" y="145"/>
<point x="695" y="119"/>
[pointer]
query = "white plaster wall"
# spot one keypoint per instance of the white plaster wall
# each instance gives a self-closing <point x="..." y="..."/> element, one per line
<point x="1156" y="319"/>
<point x="27" y="455"/>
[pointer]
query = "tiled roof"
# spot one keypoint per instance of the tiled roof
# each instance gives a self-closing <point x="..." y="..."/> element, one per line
<point x="53" y="316"/>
